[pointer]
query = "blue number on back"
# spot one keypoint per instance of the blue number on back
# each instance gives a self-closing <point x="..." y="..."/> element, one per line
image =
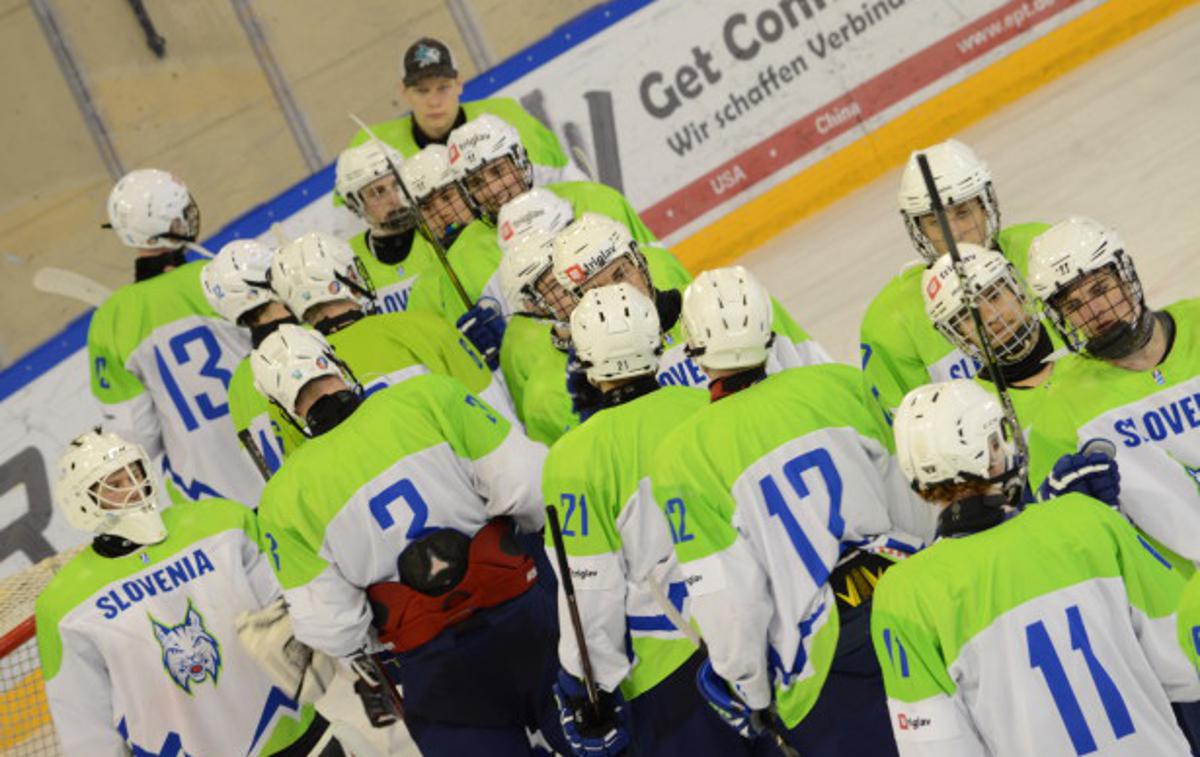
<point x="572" y="503"/>
<point x="406" y="490"/>
<point x="777" y="506"/>
<point x="209" y="369"/>
<point x="677" y="512"/>
<point x="1044" y="657"/>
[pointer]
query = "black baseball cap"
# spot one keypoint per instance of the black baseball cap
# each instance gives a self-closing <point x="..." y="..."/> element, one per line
<point x="428" y="57"/>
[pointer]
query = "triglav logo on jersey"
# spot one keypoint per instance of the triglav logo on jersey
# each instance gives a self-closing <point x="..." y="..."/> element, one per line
<point x="190" y="653"/>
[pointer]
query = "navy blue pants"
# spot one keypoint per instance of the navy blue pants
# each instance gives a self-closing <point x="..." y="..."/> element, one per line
<point x="480" y="685"/>
<point x="850" y="715"/>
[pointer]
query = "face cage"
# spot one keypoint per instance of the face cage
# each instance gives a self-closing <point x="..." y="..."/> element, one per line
<point x="459" y="210"/>
<point x="114" y="500"/>
<point x="558" y="304"/>
<point x="1128" y="285"/>
<point x="1015" y="341"/>
<point x="189" y="219"/>
<point x="634" y="256"/>
<point x="398" y="222"/>
<point x="925" y="247"/>
<point x="513" y="182"/>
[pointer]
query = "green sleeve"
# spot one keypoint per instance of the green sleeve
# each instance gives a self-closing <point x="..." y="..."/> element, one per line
<point x="891" y="365"/>
<point x="526" y="341"/>
<point x="475" y="429"/>
<point x="547" y="404"/>
<point x="111" y="381"/>
<point x="909" y="654"/>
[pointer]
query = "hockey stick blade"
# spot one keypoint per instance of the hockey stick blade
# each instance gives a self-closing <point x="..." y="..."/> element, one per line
<point x="66" y="283"/>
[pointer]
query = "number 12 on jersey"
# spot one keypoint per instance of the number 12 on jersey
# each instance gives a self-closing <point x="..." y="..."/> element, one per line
<point x="1044" y="657"/>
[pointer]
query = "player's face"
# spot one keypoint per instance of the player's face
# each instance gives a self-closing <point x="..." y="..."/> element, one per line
<point x="495" y="183"/>
<point x="558" y="300"/>
<point x="996" y="464"/>
<point x="968" y="223"/>
<point x="1096" y="303"/>
<point x="122" y="488"/>
<point x="446" y="211"/>
<point x="384" y="207"/>
<point x="621" y="270"/>
<point x="1005" y="320"/>
<point x="434" y="103"/>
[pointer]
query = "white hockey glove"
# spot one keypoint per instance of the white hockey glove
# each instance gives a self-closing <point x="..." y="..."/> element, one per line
<point x="301" y="671"/>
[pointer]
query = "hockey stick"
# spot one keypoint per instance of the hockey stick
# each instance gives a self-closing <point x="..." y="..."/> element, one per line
<point x="66" y="283"/>
<point x="438" y="250"/>
<point x="568" y="588"/>
<point x="256" y="454"/>
<point x="971" y="293"/>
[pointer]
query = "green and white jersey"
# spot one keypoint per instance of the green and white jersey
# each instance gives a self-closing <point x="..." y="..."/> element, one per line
<point x="1188" y="620"/>
<point x="251" y="414"/>
<point x="421" y="455"/>
<point x="140" y="653"/>
<point x="616" y="540"/>
<point x="764" y="491"/>
<point x="1052" y="633"/>
<point x="393" y="282"/>
<point x="547" y="404"/>
<point x="550" y="161"/>
<point x="520" y="352"/>
<point x="161" y="360"/>
<point x="389" y="348"/>
<point x="901" y="348"/>
<point x="475" y="255"/>
<point x="1153" y="418"/>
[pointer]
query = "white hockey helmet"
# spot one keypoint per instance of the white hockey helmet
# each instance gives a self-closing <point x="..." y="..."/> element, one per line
<point x="1071" y="250"/>
<point x="95" y="503"/>
<point x="959" y="175"/>
<point x="316" y="268"/>
<point x="727" y="319"/>
<point x="359" y="166"/>
<point x="947" y="433"/>
<point x="288" y="359"/>
<point x="615" y="330"/>
<point x="481" y="140"/>
<point x="1007" y="312"/>
<point x="527" y="258"/>
<point x="150" y="209"/>
<point x="426" y="172"/>
<point x="589" y="245"/>
<point x="237" y="280"/>
<point x="539" y="209"/>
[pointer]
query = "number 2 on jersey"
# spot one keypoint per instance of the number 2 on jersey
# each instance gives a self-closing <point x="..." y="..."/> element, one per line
<point x="777" y="506"/>
<point x="1044" y="657"/>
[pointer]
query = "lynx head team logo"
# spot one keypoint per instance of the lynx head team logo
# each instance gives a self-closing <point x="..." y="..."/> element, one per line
<point x="189" y="653"/>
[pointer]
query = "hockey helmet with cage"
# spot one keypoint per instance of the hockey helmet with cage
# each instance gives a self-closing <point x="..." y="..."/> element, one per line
<point x="959" y="176"/>
<point x="1007" y="311"/>
<point x="237" y="280"/>
<point x="96" y="499"/>
<point x="526" y="260"/>
<point x="288" y="360"/>
<point x="316" y="268"/>
<point x="358" y="167"/>
<point x="480" y="142"/>
<point x="615" y="330"/>
<point x="152" y="209"/>
<point x="1061" y="259"/>
<point x="948" y="432"/>
<point x="727" y="318"/>
<point x="539" y="209"/>
<point x="426" y="172"/>
<point x="590" y="244"/>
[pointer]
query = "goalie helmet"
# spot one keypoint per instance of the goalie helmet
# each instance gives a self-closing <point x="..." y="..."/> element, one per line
<point x="237" y="280"/>
<point x="588" y="246"/>
<point x="959" y="175"/>
<point x="317" y="268"/>
<point x="1008" y="315"/>
<point x="151" y="209"/>
<point x="482" y="140"/>
<point x="426" y="172"/>
<point x="948" y="432"/>
<point x="615" y="330"/>
<point x="357" y="167"/>
<point x="539" y="209"/>
<point x="105" y="486"/>
<point x="524" y="262"/>
<point x="727" y="319"/>
<point x="1110" y="321"/>
<point x="288" y="359"/>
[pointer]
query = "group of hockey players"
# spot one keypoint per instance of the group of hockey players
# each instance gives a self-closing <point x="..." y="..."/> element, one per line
<point x="505" y="463"/>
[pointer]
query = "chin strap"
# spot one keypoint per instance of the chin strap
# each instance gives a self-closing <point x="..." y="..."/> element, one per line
<point x="721" y="388"/>
<point x="338" y="322"/>
<point x="971" y="515"/>
<point x="149" y="266"/>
